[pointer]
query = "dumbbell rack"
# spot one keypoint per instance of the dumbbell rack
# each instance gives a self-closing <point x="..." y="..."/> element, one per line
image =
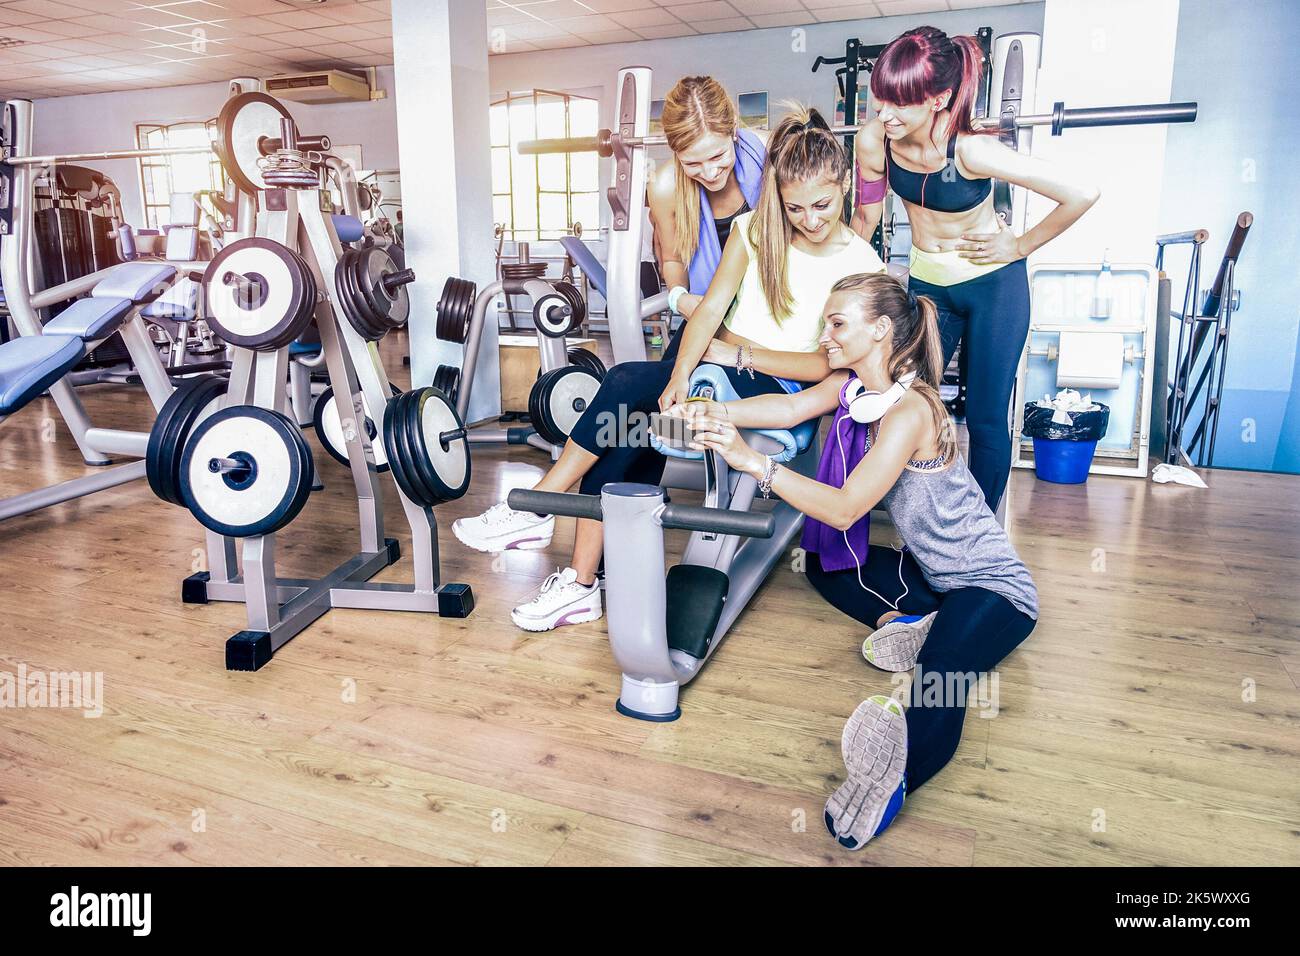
<point x="280" y="608"/>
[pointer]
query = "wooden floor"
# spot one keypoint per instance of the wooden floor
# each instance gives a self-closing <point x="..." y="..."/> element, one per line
<point x="1152" y="717"/>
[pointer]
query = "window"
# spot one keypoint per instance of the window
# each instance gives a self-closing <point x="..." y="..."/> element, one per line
<point x="541" y="197"/>
<point x="160" y="176"/>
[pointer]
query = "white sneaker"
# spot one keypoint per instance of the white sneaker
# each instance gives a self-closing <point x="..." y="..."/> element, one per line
<point x="562" y="600"/>
<point x="501" y="528"/>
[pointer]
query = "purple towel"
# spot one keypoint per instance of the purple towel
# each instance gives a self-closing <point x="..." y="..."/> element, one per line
<point x="750" y="155"/>
<point x="846" y="445"/>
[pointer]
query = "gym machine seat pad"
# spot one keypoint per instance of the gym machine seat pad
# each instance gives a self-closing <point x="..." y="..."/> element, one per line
<point x="30" y="364"/>
<point x="794" y="441"/>
<point x="89" y="319"/>
<point x="136" y="281"/>
<point x="177" y="303"/>
<point x="586" y="260"/>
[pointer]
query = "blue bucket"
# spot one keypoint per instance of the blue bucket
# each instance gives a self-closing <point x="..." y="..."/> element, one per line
<point x="1061" y="461"/>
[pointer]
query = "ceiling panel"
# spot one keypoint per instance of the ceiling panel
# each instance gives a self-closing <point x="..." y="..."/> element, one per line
<point x="64" y="47"/>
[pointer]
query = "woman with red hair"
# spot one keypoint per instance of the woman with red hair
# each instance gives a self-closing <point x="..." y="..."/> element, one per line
<point x="923" y="145"/>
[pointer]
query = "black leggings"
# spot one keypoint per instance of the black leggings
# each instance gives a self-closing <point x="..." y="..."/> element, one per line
<point x="991" y="315"/>
<point x="973" y="631"/>
<point x="631" y="390"/>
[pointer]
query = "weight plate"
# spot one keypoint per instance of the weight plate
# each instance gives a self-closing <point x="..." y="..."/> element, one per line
<point x="559" y="398"/>
<point x="390" y="307"/>
<point x="259" y="294"/>
<point x="456" y="309"/>
<point x="351" y="299"/>
<point x="242" y="123"/>
<point x="444" y="465"/>
<point x="400" y="455"/>
<point x="447" y="381"/>
<point x="576" y="302"/>
<point x="192" y="400"/>
<point x="329" y="429"/>
<point x="272" y="489"/>
<point x="553" y="315"/>
<point x="589" y="360"/>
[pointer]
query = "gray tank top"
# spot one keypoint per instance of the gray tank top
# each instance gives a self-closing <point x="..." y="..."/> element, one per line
<point x="941" y="515"/>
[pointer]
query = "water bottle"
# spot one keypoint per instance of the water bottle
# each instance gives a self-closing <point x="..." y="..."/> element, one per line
<point x="1101" y="292"/>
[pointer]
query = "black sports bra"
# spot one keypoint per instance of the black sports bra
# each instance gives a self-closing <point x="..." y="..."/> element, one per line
<point x="945" y="191"/>
<point x="724" y="225"/>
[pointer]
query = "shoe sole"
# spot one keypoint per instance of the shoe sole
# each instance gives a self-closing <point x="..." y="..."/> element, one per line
<point x="537" y="625"/>
<point x="874" y="747"/>
<point x="897" y="646"/>
<point x="507" y="543"/>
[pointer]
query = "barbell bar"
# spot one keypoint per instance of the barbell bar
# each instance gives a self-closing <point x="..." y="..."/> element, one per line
<point x="1059" y="119"/>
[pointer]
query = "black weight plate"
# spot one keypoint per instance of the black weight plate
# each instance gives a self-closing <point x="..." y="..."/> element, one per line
<point x="447" y="381"/>
<point x="555" y="424"/>
<point x="390" y="447"/>
<point x="468" y="295"/>
<point x="445" y="470"/>
<point x="589" y="360"/>
<point x="451" y="324"/>
<point x="167" y="437"/>
<point x="327" y="438"/>
<point x="550" y="325"/>
<point x="400" y="454"/>
<point x="368" y="270"/>
<point x="534" y="403"/>
<point x="417" y="465"/>
<point x="288" y="301"/>
<point x="303" y="302"/>
<point x="356" y="276"/>
<point x="348" y="295"/>
<point x="379" y="326"/>
<point x="456" y="309"/>
<point x="576" y="303"/>
<point x="278" y="488"/>
<point x="236" y="142"/>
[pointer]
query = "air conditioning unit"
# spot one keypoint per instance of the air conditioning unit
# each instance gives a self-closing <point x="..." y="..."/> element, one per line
<point x="320" y="86"/>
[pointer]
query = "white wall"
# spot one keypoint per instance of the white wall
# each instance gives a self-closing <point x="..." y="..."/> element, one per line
<point x="1106" y="53"/>
<point x="103" y="121"/>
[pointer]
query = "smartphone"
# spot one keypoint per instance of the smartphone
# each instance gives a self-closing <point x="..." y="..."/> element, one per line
<point x="672" y="431"/>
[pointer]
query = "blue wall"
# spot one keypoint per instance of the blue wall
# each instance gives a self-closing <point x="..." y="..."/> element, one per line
<point x="1238" y="61"/>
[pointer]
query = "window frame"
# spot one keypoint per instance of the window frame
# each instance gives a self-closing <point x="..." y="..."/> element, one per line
<point x="216" y="173"/>
<point x="541" y="232"/>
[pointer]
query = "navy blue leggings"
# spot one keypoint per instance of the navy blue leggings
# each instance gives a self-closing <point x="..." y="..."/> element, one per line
<point x="631" y="390"/>
<point x="990" y="314"/>
<point x="972" y="632"/>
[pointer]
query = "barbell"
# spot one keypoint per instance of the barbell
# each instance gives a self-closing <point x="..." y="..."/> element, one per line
<point x="605" y="140"/>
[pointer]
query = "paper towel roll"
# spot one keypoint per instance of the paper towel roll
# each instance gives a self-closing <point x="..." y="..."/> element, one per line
<point x="1090" y="360"/>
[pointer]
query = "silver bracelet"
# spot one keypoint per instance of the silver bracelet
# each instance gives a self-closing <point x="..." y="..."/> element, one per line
<point x="749" y="365"/>
<point x="769" y="473"/>
<point x="740" y="362"/>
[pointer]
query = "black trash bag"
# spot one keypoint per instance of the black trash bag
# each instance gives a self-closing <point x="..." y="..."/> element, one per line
<point x="1084" y="426"/>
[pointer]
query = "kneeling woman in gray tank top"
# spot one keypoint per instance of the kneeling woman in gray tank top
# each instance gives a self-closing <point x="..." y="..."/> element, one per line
<point x="954" y="602"/>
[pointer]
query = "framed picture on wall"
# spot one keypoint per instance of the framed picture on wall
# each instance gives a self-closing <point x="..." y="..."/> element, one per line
<point x="753" y="110"/>
<point x="864" y="110"/>
<point x="656" y="117"/>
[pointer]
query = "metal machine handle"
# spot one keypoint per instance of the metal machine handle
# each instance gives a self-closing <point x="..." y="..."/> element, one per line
<point x="556" y="503"/>
<point x="680" y="517"/>
<point x="749" y="524"/>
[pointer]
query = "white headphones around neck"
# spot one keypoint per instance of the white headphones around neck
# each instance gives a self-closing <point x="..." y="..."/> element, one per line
<point x="865" y="406"/>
